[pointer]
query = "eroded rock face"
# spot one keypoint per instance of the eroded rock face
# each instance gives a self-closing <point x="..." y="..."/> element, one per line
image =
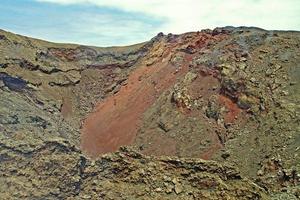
<point x="229" y="95"/>
<point x="57" y="170"/>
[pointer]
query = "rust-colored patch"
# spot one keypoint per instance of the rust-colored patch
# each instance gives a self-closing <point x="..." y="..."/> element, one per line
<point x="202" y="87"/>
<point x="233" y="110"/>
<point x="212" y="149"/>
<point x="65" y="54"/>
<point x="115" y="120"/>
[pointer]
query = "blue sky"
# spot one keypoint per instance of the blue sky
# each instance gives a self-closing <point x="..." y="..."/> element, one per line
<point x="123" y="22"/>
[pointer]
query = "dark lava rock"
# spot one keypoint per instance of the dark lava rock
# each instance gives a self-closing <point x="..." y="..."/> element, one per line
<point x="15" y="84"/>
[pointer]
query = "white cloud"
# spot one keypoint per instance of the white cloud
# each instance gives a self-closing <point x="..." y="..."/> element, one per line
<point x="81" y="24"/>
<point x="106" y="30"/>
<point x="192" y="15"/>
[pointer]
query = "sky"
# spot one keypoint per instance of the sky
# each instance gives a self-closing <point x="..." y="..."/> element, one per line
<point x="125" y="22"/>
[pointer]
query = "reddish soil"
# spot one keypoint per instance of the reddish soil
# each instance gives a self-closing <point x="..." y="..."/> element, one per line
<point x="65" y="54"/>
<point x="233" y="112"/>
<point x="213" y="148"/>
<point x="233" y="109"/>
<point x="115" y="120"/>
<point x="202" y="88"/>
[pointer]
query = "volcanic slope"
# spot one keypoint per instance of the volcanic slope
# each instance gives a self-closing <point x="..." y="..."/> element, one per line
<point x="230" y="95"/>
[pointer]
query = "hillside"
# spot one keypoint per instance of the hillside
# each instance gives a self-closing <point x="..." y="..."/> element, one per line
<point x="212" y="114"/>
